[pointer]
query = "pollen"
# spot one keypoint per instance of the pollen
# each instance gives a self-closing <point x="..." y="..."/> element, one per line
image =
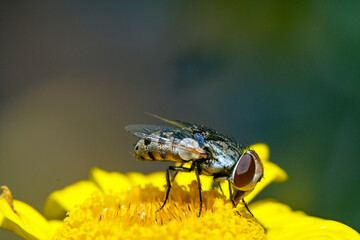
<point x="135" y="214"/>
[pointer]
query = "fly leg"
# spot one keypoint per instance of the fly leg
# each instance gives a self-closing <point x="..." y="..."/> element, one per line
<point x="235" y="199"/>
<point x="197" y="172"/>
<point x="168" y="187"/>
<point x="239" y="195"/>
<point x="218" y="180"/>
<point x="176" y="173"/>
<point x="246" y="206"/>
<point x="219" y="185"/>
<point x="231" y="195"/>
<point x="168" y="181"/>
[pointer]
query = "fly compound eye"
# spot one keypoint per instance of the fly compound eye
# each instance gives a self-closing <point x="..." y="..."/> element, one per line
<point x="244" y="171"/>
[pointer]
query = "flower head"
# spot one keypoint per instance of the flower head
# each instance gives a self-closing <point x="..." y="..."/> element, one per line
<point x="119" y="216"/>
<point x="23" y="220"/>
<point x="126" y="206"/>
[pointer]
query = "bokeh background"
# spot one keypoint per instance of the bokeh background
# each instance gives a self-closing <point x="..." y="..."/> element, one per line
<point x="286" y="73"/>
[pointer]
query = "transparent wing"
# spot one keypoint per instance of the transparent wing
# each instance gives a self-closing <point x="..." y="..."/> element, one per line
<point x="144" y="130"/>
<point x="176" y="123"/>
<point x="174" y="137"/>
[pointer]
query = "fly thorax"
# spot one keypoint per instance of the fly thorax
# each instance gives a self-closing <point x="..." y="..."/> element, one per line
<point x="222" y="157"/>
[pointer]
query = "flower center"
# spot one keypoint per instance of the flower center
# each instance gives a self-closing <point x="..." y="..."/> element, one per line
<point x="135" y="214"/>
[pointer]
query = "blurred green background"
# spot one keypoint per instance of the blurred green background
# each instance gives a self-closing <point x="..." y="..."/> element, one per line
<point x="285" y="73"/>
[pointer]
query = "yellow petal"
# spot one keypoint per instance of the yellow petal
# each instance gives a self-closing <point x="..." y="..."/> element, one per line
<point x="26" y="222"/>
<point x="138" y="179"/>
<point x="61" y="201"/>
<point x="262" y="150"/>
<point x="282" y="223"/>
<point x="118" y="182"/>
<point x="272" y="173"/>
<point x="109" y="181"/>
<point x="157" y="179"/>
<point x="184" y="179"/>
<point x="53" y="226"/>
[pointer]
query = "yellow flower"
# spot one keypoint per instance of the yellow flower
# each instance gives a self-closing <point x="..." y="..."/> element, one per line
<point x="24" y="220"/>
<point x="125" y="206"/>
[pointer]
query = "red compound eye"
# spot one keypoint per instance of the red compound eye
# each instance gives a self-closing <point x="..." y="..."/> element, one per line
<point x="245" y="171"/>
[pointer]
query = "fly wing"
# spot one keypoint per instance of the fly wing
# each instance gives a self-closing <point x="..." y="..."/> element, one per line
<point x="176" y="123"/>
<point x="144" y="130"/>
<point x="174" y="137"/>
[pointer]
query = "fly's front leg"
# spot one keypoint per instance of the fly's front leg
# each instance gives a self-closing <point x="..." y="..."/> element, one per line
<point x="232" y="197"/>
<point x="237" y="195"/>
<point x="231" y="194"/>
<point x="247" y="208"/>
<point x="168" y="181"/>
<point x="224" y="178"/>
<point x="240" y="195"/>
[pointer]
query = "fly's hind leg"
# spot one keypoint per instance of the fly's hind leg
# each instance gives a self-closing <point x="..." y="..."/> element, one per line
<point x="197" y="172"/>
<point x="168" y="181"/>
<point x="168" y="187"/>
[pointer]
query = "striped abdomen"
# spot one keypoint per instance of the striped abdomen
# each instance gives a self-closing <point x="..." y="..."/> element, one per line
<point x="156" y="148"/>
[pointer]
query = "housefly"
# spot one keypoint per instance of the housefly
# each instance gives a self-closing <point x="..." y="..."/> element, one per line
<point x="209" y="152"/>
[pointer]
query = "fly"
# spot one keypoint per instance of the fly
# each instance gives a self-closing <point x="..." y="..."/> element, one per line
<point x="210" y="153"/>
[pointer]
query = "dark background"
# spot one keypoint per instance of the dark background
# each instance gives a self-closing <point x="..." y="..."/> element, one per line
<point x="285" y="73"/>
